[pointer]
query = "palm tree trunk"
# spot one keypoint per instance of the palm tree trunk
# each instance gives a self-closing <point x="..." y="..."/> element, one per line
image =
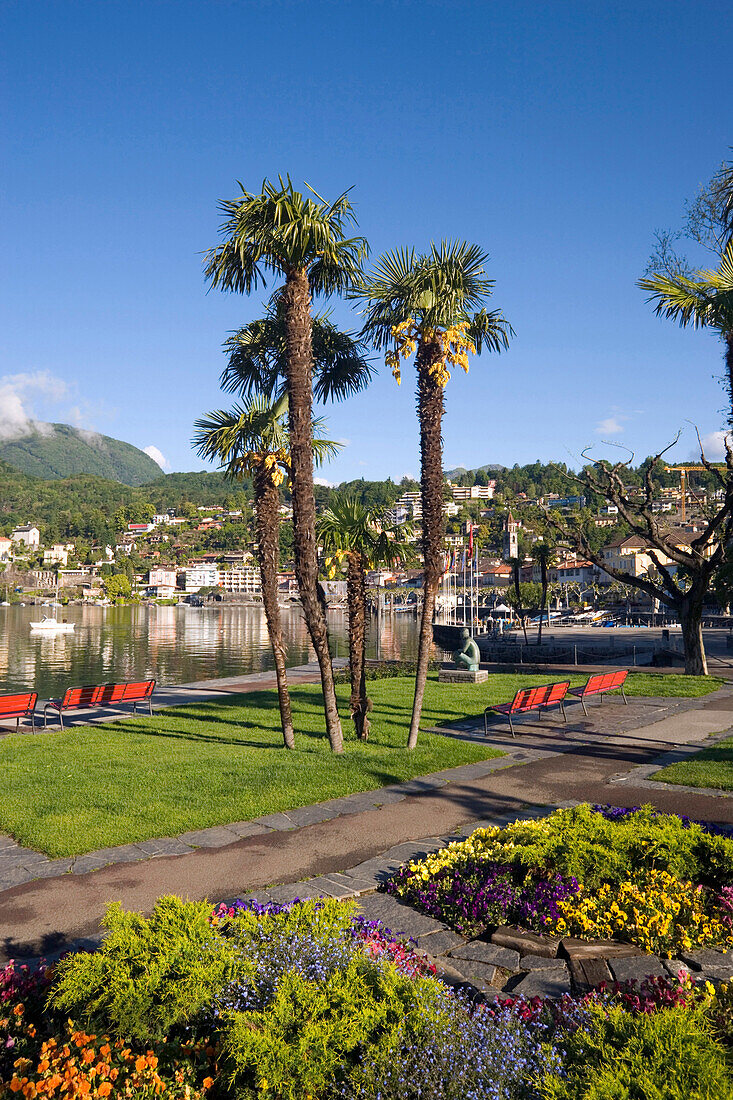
<point x="267" y="516"/>
<point x="729" y="371"/>
<point x="356" y="590"/>
<point x="430" y="412"/>
<point x="299" y="368"/>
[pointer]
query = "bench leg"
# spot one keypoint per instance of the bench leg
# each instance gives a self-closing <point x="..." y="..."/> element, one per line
<point x="623" y="696"/>
<point x="33" y="721"/>
<point x="150" y="705"/>
<point x="564" y="715"/>
<point x="585" y="709"/>
<point x="511" y="725"/>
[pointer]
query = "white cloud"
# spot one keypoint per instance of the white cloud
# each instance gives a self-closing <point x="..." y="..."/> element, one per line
<point x="713" y="445"/>
<point x="610" y="426"/>
<point x="17" y="392"/>
<point x="323" y="481"/>
<point x="157" y="456"/>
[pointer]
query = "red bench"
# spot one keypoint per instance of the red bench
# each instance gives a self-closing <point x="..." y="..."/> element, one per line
<point x="599" y="684"/>
<point x="535" y="698"/>
<point x="101" y="695"/>
<point x="19" y="706"/>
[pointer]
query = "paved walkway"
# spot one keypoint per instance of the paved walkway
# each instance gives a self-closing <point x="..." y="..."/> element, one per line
<point x="345" y="845"/>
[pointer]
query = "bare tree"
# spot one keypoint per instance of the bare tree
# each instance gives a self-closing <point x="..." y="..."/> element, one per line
<point x="683" y="572"/>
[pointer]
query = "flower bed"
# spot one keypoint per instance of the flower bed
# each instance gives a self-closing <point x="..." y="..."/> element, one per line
<point x="661" y="882"/>
<point x="309" y="1001"/>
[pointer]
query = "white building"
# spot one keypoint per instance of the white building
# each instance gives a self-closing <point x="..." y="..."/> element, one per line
<point x="27" y="534"/>
<point x="244" y="578"/>
<point x="5" y="548"/>
<point x="162" y="576"/>
<point x="58" y="554"/>
<point x="200" y="576"/>
<point x="474" y="492"/>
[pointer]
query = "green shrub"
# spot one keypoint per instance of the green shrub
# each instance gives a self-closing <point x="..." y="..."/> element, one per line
<point x="668" y="1055"/>
<point x="582" y="843"/>
<point x="149" y="975"/>
<point x="313" y="1032"/>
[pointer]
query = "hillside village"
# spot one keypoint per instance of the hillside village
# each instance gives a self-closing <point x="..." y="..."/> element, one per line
<point x="208" y="550"/>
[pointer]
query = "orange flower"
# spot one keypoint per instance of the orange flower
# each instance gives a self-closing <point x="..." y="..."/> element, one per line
<point x="140" y="1064"/>
<point x="88" y="1055"/>
<point x="105" y="1050"/>
<point x="208" y="1082"/>
<point x="43" y="1065"/>
<point x="84" y="1087"/>
<point x="114" y="1074"/>
<point x="104" y="1089"/>
<point x="18" y="1010"/>
<point x="16" y="1085"/>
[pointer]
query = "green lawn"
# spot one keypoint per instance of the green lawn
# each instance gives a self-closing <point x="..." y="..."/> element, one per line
<point x="711" y="767"/>
<point x="208" y="764"/>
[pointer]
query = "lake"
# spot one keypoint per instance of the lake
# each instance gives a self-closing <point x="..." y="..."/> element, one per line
<point x="175" y="645"/>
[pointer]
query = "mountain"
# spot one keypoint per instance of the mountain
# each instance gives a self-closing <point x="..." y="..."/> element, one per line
<point x="489" y="468"/>
<point x="57" y="451"/>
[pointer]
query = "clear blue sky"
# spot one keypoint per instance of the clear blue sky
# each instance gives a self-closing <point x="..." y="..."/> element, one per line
<point x="556" y="135"/>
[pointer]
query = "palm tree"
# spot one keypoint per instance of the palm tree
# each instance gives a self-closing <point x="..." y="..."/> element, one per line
<point x="431" y="304"/>
<point x="253" y="438"/>
<point x="301" y="239"/>
<point x="257" y="358"/>
<point x="352" y="532"/>
<point x="703" y="299"/>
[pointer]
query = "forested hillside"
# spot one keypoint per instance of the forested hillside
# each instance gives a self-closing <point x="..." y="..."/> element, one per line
<point x="59" y="451"/>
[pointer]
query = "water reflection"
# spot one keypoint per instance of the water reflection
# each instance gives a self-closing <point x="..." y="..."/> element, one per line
<point x="174" y="644"/>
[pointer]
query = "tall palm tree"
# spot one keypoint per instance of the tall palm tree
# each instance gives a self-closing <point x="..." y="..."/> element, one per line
<point x="433" y="305"/>
<point x="257" y="358"/>
<point x="353" y="533"/>
<point x="302" y="239"/>
<point x="703" y="299"/>
<point x="253" y="439"/>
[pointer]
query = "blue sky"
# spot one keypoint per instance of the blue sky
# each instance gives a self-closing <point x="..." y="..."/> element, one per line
<point x="556" y="135"/>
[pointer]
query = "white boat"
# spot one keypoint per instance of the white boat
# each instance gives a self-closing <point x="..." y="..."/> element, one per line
<point x="53" y="626"/>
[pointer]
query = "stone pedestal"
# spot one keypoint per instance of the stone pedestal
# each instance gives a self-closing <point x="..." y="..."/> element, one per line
<point x="462" y="676"/>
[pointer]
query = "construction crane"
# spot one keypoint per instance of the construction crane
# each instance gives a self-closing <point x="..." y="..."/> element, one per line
<point x="683" y="472"/>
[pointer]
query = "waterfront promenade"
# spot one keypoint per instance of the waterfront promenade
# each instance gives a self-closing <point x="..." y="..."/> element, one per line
<point x="344" y="846"/>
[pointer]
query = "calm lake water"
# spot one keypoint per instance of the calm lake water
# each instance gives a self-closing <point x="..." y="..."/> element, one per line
<point x="176" y="645"/>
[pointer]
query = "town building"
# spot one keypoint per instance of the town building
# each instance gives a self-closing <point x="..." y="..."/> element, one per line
<point x="6" y="546"/>
<point x="473" y="492"/>
<point x="27" y="534"/>
<point x="510" y="540"/>
<point x="199" y="576"/>
<point x="243" y="578"/>
<point x="58" y="554"/>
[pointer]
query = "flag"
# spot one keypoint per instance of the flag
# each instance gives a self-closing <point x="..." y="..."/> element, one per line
<point x="470" y="540"/>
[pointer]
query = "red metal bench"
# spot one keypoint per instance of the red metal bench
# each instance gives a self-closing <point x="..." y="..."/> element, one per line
<point x="534" y="698"/>
<point x="599" y="684"/>
<point x="101" y="695"/>
<point x="19" y="706"/>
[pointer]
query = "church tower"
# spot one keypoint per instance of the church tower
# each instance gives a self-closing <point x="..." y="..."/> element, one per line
<point x="511" y="540"/>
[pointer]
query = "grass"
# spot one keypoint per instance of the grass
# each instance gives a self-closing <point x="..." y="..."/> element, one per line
<point x="191" y="767"/>
<point x="711" y="767"/>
